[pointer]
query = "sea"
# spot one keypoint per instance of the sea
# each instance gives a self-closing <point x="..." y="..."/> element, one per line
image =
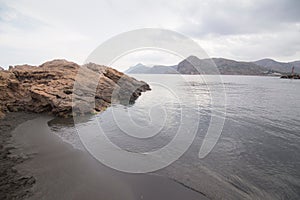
<point x="247" y="127"/>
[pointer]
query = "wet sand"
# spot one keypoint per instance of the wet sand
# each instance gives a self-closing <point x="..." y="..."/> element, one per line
<point x="13" y="184"/>
<point x="62" y="172"/>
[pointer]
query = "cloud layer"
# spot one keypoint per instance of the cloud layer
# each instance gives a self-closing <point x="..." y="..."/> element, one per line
<point x="33" y="31"/>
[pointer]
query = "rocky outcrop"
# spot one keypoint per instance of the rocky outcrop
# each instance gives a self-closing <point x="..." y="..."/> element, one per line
<point x="291" y="76"/>
<point x="49" y="88"/>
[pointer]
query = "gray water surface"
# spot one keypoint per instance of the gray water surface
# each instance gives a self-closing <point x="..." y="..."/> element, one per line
<point x="257" y="155"/>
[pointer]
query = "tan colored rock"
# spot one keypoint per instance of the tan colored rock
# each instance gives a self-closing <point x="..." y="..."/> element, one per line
<point x="49" y="88"/>
<point x="1" y="113"/>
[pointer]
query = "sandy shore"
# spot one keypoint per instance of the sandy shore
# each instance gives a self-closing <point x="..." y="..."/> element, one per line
<point x="13" y="184"/>
<point x="56" y="170"/>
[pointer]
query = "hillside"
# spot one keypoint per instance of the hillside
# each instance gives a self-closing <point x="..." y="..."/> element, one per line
<point x="279" y="66"/>
<point x="137" y="69"/>
<point x="194" y="65"/>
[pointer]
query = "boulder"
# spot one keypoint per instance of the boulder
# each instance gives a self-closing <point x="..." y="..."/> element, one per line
<point x="49" y="88"/>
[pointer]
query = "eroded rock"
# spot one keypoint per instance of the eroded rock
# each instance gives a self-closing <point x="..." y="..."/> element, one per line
<point x="50" y="88"/>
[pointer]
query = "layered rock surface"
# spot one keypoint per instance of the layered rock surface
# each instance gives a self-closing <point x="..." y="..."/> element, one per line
<point x="50" y="88"/>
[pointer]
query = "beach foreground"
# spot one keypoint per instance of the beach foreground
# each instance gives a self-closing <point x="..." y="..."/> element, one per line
<point x="13" y="184"/>
<point x="53" y="169"/>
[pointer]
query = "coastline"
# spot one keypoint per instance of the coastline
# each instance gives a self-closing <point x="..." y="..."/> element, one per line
<point x="59" y="171"/>
<point x="13" y="183"/>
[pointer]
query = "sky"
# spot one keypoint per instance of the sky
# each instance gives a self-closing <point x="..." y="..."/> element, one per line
<point x="33" y="31"/>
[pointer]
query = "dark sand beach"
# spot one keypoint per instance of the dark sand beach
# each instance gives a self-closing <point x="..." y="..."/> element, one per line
<point x="53" y="169"/>
<point x="13" y="184"/>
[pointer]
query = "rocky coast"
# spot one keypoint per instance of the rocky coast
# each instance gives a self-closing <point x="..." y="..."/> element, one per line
<point x="48" y="88"/>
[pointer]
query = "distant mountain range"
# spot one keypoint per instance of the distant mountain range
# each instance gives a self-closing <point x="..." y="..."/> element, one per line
<point x="194" y="65"/>
<point x="156" y="69"/>
<point x="279" y="66"/>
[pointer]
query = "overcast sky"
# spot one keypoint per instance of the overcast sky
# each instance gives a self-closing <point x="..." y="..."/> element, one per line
<point x="34" y="31"/>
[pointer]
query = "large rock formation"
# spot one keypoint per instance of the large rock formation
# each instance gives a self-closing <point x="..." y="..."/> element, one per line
<point x="49" y="88"/>
<point x="291" y="76"/>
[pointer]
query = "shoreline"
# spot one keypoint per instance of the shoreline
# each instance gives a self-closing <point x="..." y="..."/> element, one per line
<point x="59" y="171"/>
<point x="13" y="183"/>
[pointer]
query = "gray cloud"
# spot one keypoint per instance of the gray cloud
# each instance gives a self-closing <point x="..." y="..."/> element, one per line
<point x="32" y="31"/>
<point x="239" y="17"/>
<point x="14" y="18"/>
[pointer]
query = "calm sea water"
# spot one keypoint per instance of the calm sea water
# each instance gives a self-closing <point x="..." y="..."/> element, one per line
<point x="257" y="155"/>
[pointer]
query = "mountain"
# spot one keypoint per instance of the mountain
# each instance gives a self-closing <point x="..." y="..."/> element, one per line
<point x="194" y="65"/>
<point x="137" y="69"/>
<point x="161" y="69"/>
<point x="283" y="67"/>
<point x="232" y="67"/>
<point x="156" y="69"/>
<point x="296" y="64"/>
